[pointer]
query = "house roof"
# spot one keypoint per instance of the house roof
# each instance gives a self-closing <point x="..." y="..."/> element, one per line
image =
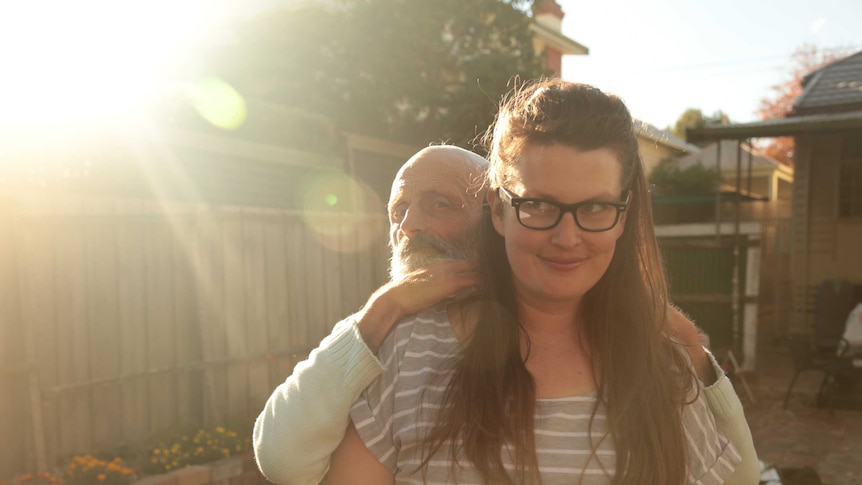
<point x="790" y="126"/>
<point x="646" y="130"/>
<point x="838" y="84"/>
<point x="707" y="157"/>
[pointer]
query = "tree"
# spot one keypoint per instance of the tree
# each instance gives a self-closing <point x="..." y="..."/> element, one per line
<point x="806" y="59"/>
<point x="669" y="179"/>
<point x="694" y="118"/>
<point x="407" y="70"/>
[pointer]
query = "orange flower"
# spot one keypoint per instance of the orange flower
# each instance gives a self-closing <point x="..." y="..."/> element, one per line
<point x="101" y="477"/>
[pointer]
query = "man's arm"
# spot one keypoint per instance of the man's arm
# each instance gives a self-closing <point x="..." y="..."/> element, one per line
<point x="305" y="418"/>
<point x="720" y="396"/>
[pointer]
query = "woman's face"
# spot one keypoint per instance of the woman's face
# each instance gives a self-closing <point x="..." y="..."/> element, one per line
<point x="552" y="269"/>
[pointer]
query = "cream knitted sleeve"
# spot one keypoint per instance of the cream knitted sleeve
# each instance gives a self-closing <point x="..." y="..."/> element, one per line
<point x="730" y="421"/>
<point x="304" y="419"/>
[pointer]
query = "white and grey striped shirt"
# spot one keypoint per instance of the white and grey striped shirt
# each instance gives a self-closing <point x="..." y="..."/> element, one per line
<point x="398" y="408"/>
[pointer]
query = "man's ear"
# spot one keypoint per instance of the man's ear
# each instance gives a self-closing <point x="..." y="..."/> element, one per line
<point x="496" y="207"/>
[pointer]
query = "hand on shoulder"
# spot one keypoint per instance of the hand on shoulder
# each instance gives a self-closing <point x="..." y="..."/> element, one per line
<point x="415" y="292"/>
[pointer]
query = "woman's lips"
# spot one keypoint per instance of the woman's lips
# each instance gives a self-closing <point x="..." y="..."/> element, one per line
<point x="563" y="264"/>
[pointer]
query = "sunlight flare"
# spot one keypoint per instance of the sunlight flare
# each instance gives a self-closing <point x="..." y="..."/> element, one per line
<point x="91" y="60"/>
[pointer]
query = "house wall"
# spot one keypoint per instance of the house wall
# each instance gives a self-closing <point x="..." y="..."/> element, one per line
<point x="652" y="153"/>
<point x="759" y="186"/>
<point x="823" y="245"/>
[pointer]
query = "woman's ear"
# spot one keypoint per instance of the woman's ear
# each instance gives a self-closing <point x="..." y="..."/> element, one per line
<point x="496" y="207"/>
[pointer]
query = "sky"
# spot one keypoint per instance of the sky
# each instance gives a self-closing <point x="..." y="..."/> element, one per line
<point x="660" y="56"/>
<point x="664" y="56"/>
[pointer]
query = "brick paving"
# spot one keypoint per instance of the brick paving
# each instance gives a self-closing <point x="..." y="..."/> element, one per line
<point x="828" y="441"/>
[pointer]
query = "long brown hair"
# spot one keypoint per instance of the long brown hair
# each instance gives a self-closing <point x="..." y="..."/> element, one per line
<point x="644" y="381"/>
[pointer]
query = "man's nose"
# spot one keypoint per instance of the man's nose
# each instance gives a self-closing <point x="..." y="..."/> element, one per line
<point x="414" y="221"/>
<point x="566" y="233"/>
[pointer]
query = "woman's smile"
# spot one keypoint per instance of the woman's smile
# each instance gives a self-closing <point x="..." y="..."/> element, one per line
<point x="563" y="263"/>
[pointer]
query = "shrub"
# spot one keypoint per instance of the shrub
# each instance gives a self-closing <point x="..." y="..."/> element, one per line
<point x="669" y="179"/>
<point x="203" y="446"/>
<point x="89" y="470"/>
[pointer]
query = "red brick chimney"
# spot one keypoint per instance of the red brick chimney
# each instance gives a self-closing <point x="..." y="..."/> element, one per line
<point x="548" y="7"/>
<point x="550" y="14"/>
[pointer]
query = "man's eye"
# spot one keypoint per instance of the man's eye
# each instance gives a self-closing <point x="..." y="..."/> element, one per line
<point x="397" y="214"/>
<point x="442" y="204"/>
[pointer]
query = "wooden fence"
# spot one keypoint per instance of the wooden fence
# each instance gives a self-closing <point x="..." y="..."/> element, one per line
<point x="122" y="321"/>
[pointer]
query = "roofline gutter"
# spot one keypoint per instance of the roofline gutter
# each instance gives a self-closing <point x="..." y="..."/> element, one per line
<point x="772" y="128"/>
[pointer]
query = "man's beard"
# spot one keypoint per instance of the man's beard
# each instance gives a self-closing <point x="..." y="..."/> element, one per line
<point x="421" y="250"/>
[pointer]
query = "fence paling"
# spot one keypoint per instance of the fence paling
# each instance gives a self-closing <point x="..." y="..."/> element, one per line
<point x="54" y="392"/>
<point x="160" y="320"/>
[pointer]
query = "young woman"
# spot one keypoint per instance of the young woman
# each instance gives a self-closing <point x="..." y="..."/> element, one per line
<point x="565" y="373"/>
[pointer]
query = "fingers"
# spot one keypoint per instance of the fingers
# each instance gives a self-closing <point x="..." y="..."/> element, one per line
<point x="454" y="275"/>
<point x="435" y="283"/>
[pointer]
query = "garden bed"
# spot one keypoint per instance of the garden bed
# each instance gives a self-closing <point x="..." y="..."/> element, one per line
<point x="236" y="470"/>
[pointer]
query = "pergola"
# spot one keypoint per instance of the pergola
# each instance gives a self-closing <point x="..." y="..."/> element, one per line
<point x="743" y="133"/>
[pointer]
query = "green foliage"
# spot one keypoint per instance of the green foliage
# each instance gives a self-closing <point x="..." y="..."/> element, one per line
<point x="694" y="118"/>
<point x="194" y="447"/>
<point x="669" y="179"/>
<point x="408" y="70"/>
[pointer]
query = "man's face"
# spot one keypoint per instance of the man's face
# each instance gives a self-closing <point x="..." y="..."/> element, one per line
<point x="434" y="210"/>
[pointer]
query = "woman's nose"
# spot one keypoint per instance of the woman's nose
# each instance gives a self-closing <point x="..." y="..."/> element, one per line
<point x="566" y="233"/>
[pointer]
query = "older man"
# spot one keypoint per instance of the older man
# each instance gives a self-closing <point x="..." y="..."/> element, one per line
<point x="434" y="209"/>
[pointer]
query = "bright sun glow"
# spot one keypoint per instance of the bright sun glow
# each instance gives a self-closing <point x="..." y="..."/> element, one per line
<point x="70" y="62"/>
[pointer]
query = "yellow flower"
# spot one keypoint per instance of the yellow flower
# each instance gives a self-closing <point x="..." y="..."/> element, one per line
<point x="219" y="429"/>
<point x="101" y="477"/>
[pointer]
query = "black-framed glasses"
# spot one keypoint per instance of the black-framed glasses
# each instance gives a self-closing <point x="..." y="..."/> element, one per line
<point x="542" y="214"/>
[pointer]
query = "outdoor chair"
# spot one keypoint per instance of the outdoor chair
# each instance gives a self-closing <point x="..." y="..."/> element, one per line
<point x="834" y="301"/>
<point x="806" y="354"/>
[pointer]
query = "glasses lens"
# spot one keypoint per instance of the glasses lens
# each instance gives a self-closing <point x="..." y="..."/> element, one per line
<point x="597" y="217"/>
<point x="537" y="214"/>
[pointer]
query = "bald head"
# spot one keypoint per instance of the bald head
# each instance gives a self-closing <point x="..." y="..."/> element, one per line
<point x="442" y="163"/>
<point x="435" y="204"/>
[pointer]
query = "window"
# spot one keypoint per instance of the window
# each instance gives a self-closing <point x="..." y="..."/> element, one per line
<point x="850" y="185"/>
